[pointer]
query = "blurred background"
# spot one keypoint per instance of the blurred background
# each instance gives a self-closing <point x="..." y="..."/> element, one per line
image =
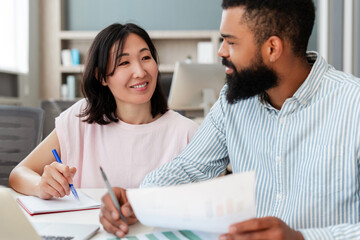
<point x="44" y="42"/>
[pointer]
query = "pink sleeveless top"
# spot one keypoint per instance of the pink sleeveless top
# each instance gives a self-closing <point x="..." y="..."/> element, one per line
<point x="126" y="152"/>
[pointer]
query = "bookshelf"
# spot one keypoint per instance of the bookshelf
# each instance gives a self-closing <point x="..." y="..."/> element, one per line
<point x="172" y="46"/>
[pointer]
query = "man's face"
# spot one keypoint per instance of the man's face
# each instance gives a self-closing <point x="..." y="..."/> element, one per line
<point x="246" y="73"/>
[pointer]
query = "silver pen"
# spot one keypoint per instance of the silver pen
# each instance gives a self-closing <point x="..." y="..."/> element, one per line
<point x="112" y="195"/>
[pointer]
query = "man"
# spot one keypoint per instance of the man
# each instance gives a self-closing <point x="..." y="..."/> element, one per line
<point x="285" y="114"/>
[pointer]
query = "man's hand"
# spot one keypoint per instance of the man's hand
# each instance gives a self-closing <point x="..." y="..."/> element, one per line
<point x="261" y="228"/>
<point x="109" y="216"/>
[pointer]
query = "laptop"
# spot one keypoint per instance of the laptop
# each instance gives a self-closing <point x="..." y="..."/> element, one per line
<point x="15" y="225"/>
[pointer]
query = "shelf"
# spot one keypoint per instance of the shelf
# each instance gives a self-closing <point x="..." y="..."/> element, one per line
<point x="177" y="35"/>
<point x="10" y="101"/>
<point x="77" y="35"/>
<point x="72" y="69"/>
<point x="166" y="68"/>
<point x="192" y="34"/>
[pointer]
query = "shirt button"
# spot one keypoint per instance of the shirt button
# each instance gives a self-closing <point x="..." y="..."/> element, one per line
<point x="282" y="120"/>
<point x="278" y="159"/>
<point x="279" y="197"/>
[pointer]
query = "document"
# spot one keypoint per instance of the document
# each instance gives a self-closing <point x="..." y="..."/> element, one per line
<point x="209" y="206"/>
<point x="172" y="235"/>
<point x="34" y="205"/>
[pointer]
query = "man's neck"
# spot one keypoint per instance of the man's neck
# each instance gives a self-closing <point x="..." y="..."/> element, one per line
<point x="292" y="73"/>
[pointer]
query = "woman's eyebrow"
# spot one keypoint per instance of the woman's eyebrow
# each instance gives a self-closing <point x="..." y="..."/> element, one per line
<point x="144" y="49"/>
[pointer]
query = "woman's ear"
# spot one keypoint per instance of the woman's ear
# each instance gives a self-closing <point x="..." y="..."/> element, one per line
<point x="272" y="49"/>
<point x="97" y="78"/>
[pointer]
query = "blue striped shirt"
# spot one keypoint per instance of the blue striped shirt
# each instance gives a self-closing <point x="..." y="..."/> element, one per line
<point x="306" y="156"/>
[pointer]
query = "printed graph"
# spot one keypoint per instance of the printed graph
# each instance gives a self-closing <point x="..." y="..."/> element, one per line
<point x="171" y="235"/>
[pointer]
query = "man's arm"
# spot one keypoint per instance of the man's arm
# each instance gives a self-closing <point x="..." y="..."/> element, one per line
<point x="337" y="232"/>
<point x="203" y="158"/>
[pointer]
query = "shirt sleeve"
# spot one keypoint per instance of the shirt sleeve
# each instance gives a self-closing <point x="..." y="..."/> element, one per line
<point x="205" y="157"/>
<point x="336" y="232"/>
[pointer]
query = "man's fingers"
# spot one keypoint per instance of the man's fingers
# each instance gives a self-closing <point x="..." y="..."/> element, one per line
<point x="254" y="224"/>
<point x="109" y="208"/>
<point x="109" y="227"/>
<point x="255" y="235"/>
<point x="127" y="211"/>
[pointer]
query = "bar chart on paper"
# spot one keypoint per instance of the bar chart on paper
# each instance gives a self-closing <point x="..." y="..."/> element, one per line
<point x="172" y="235"/>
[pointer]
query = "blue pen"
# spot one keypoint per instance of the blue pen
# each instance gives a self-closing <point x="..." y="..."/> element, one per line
<point x="72" y="188"/>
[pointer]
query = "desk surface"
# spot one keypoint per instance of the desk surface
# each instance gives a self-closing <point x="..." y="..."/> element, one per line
<point x="85" y="217"/>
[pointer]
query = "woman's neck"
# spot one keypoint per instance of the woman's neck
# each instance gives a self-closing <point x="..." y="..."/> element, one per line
<point x="135" y="114"/>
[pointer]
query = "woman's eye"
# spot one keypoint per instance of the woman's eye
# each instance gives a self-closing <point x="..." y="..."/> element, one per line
<point x="123" y="63"/>
<point x="146" y="58"/>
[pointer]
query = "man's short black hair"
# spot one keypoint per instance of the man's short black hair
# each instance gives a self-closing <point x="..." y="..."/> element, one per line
<point x="291" y="20"/>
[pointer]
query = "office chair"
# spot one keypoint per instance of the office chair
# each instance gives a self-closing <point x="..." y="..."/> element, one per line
<point x="52" y="109"/>
<point x="20" y="133"/>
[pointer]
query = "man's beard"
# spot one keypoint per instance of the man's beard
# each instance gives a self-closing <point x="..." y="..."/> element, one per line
<point x="250" y="81"/>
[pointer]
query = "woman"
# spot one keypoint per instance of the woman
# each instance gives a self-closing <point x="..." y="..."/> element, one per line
<point x="123" y="124"/>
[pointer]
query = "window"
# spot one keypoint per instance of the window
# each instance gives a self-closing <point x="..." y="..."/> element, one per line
<point x="14" y="41"/>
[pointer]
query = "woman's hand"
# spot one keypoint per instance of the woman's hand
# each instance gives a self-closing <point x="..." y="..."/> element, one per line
<point x="55" y="181"/>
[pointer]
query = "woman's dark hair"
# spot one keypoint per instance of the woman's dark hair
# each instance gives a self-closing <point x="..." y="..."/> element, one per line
<point x="101" y="107"/>
<point x="288" y="19"/>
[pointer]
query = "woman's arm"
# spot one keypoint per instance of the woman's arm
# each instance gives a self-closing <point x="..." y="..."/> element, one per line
<point x="40" y="175"/>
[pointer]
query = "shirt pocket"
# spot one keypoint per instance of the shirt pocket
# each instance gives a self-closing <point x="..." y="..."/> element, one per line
<point x="323" y="168"/>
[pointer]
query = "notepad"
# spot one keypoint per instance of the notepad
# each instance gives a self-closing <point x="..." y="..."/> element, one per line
<point x="34" y="205"/>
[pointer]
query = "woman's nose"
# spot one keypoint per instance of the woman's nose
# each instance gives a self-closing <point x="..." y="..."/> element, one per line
<point x="139" y="71"/>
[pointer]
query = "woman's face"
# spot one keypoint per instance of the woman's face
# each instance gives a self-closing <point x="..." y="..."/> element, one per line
<point x="134" y="79"/>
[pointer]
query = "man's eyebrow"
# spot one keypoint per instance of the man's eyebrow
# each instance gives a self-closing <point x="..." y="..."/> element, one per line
<point x="224" y="35"/>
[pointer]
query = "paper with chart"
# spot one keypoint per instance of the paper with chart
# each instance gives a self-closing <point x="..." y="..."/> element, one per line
<point x="209" y="206"/>
<point x="171" y="235"/>
<point x="34" y="205"/>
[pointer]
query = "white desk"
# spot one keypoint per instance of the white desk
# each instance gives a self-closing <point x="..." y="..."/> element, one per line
<point x="87" y="216"/>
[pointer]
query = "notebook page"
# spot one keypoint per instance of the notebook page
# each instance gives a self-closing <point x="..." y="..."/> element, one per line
<point x="35" y="205"/>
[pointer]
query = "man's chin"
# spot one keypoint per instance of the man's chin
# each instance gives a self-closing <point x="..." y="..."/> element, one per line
<point x="230" y="75"/>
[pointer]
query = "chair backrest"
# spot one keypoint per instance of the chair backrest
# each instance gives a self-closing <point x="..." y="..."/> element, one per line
<point x="20" y="133"/>
<point x="52" y="109"/>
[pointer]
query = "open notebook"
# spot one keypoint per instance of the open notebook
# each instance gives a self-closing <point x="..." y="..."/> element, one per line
<point x="34" y="205"/>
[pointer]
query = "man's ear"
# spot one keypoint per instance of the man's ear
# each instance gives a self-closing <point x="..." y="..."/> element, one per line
<point x="272" y="49"/>
<point x="97" y="77"/>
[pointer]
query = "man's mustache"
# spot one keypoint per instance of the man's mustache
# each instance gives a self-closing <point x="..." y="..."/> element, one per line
<point x="227" y="63"/>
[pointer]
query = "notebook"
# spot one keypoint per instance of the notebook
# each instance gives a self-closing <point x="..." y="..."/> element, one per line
<point x="34" y="205"/>
<point x="15" y="225"/>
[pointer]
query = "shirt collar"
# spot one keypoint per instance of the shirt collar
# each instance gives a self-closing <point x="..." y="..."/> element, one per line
<point x="311" y="83"/>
